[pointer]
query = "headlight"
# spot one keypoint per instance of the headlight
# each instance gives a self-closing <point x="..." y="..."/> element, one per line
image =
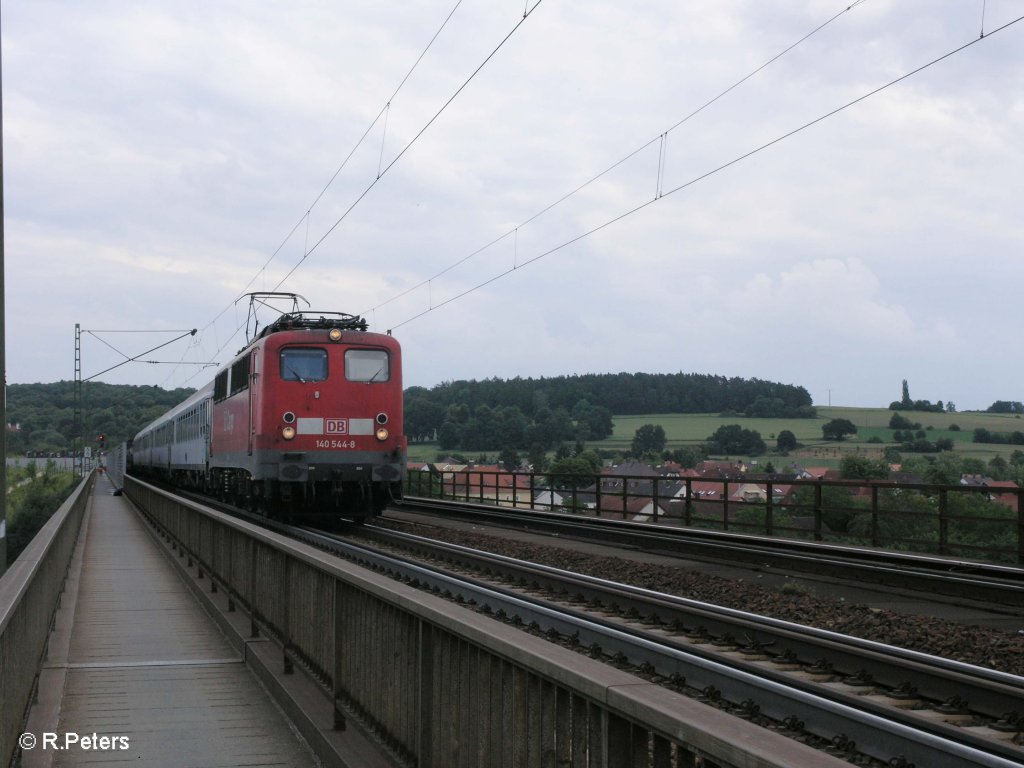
<point x="288" y="433"/>
<point x="334" y="334"/>
<point x="382" y="434"/>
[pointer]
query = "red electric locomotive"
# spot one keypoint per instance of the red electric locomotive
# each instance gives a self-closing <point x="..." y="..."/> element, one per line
<point x="306" y="420"/>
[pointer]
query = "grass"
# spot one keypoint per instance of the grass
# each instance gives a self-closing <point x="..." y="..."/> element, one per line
<point x="689" y="429"/>
<point x="697" y="427"/>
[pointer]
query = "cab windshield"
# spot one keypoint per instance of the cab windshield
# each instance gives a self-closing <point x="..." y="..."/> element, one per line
<point x="367" y="365"/>
<point x="303" y="364"/>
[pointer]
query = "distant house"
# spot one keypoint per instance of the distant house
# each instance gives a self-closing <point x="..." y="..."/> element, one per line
<point x="723" y="469"/>
<point x="548" y="498"/>
<point x="1008" y="499"/>
<point x="632" y="468"/>
<point x="671" y="469"/>
<point x="979" y="481"/>
<point x="486" y="483"/>
<point x="903" y="478"/>
<point x="706" y="490"/>
<point x="816" y="473"/>
<point x="643" y="509"/>
<point x="631" y="474"/>
<point x="749" y="492"/>
<point x="1008" y="495"/>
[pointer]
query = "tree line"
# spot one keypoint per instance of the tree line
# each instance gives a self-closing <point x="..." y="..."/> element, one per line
<point x="522" y="412"/>
<point x="1006" y="406"/>
<point x="469" y="415"/>
<point x="982" y="435"/>
<point x="905" y="403"/>
<point x="41" y="417"/>
<point x="625" y="394"/>
<point x="32" y="498"/>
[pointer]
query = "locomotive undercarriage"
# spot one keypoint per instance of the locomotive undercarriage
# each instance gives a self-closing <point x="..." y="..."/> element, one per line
<point x="320" y="502"/>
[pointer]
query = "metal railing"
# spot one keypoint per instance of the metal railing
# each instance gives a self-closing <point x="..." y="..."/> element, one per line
<point x="960" y="520"/>
<point x="29" y="593"/>
<point x="441" y="685"/>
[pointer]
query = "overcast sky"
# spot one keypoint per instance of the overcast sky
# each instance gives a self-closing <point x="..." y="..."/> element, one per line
<point x="158" y="153"/>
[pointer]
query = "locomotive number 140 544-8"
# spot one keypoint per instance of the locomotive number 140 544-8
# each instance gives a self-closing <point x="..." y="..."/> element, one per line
<point x="335" y="443"/>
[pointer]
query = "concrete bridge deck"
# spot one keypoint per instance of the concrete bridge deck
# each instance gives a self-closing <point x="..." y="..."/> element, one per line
<point x="137" y="672"/>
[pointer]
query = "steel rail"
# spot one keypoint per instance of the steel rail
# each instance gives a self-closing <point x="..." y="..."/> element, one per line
<point x="843" y="718"/>
<point x="991" y="693"/>
<point x="832" y="715"/>
<point x="999" y="586"/>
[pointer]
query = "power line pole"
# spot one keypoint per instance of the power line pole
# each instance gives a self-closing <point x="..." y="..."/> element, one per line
<point x="77" y="445"/>
<point x="82" y="454"/>
<point x="3" y="353"/>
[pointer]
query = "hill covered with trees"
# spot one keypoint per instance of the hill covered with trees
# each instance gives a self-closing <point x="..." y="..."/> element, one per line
<point x="41" y="417"/>
<point x="474" y="415"/>
<point x="469" y="415"/>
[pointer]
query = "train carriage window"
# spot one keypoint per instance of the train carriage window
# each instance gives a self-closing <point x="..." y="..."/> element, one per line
<point x="367" y="365"/>
<point x="240" y="375"/>
<point x="220" y="386"/>
<point x="303" y="364"/>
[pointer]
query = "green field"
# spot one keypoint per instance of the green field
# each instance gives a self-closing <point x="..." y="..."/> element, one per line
<point x="690" y="429"/>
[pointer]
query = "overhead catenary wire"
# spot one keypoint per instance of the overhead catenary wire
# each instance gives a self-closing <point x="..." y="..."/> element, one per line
<point x="143" y="354"/>
<point x="383" y="139"/>
<point x="305" y="217"/>
<point x="528" y="10"/>
<point x="128" y="359"/>
<point x="359" y="142"/>
<point x="409" y="144"/>
<point x="662" y="138"/>
<point x="706" y="175"/>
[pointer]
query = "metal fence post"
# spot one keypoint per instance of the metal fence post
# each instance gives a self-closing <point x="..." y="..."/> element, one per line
<point x="1020" y="526"/>
<point x="725" y="505"/>
<point x="688" y="506"/>
<point x="817" y="512"/>
<point x="874" y="516"/>
<point x="654" y="512"/>
<point x="943" y="522"/>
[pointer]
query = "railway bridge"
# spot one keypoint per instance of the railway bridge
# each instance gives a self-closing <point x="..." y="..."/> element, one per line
<point x="144" y="627"/>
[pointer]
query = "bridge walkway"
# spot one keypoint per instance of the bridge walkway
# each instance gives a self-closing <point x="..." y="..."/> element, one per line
<point x="133" y="657"/>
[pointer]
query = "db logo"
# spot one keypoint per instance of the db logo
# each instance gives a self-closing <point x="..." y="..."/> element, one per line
<point x="336" y="426"/>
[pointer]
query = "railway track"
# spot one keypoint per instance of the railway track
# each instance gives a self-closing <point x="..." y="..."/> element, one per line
<point x="857" y="699"/>
<point x="997" y="587"/>
<point x="869" y="703"/>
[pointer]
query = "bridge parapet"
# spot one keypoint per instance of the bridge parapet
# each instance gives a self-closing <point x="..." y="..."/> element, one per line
<point x="441" y="685"/>
<point x="29" y="592"/>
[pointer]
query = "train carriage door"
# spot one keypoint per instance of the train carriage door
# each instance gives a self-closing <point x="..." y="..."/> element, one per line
<point x="253" y="398"/>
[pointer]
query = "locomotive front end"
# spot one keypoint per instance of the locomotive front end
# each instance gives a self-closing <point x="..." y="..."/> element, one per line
<point x="328" y="434"/>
